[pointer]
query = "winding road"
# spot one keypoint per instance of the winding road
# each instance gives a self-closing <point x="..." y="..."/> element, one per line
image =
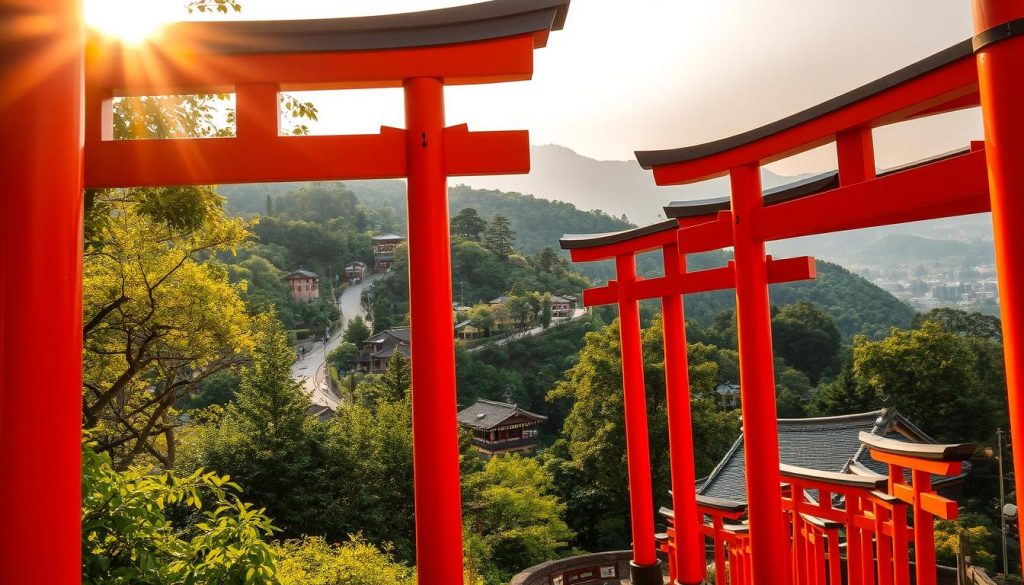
<point x="311" y="370"/>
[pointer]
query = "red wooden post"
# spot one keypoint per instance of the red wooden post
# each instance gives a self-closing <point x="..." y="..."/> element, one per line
<point x="41" y="74"/>
<point x="1002" y="92"/>
<point x="689" y="546"/>
<point x="768" y="543"/>
<point x="883" y="545"/>
<point x="434" y="425"/>
<point x="645" y="568"/>
<point x="716" y="541"/>
<point x="924" y="530"/>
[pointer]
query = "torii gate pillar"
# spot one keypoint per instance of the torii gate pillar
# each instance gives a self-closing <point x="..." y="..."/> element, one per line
<point x="41" y="74"/>
<point x="999" y="46"/>
<point x="435" y="464"/>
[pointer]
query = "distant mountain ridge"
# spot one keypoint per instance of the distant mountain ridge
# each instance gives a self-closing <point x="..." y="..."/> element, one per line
<point x="622" y="188"/>
<point x="618" y="188"/>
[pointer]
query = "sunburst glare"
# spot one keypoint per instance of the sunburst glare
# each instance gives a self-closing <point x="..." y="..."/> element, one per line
<point x="130" y="21"/>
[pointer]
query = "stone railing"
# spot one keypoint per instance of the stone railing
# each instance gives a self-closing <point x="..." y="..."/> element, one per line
<point x="579" y="570"/>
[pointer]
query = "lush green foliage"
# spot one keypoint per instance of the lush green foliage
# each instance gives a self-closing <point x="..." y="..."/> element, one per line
<point x="478" y="275"/>
<point x="930" y="375"/>
<point x="962" y="323"/>
<point x="350" y="475"/>
<point x="343" y="357"/>
<point x="158" y="320"/>
<point x="140" y="527"/>
<point x="513" y="520"/>
<point x="357" y="331"/>
<point x="979" y="532"/>
<point x="588" y="461"/>
<point x="311" y="561"/>
<point x="807" y="338"/>
<point x="499" y="238"/>
<point x="524" y="371"/>
<point x="468" y="225"/>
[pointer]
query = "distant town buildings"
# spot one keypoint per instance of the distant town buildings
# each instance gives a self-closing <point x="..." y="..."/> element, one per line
<point x="381" y="347"/>
<point x="926" y="286"/>
<point x="305" y="285"/>
<point x="356" y="269"/>
<point x="500" y="428"/>
<point x="384" y="250"/>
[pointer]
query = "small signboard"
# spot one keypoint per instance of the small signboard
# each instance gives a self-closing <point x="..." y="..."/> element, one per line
<point x="583" y="575"/>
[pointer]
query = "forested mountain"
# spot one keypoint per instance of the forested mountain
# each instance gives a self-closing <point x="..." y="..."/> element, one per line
<point x="858" y="306"/>
<point x="307" y="234"/>
<point x="537" y="222"/>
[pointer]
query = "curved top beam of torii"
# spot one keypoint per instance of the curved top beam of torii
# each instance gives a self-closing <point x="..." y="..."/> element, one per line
<point x="943" y="82"/>
<point x="446" y="26"/>
<point x="478" y="43"/>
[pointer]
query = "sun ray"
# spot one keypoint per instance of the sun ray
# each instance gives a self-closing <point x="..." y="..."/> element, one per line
<point x="129" y="21"/>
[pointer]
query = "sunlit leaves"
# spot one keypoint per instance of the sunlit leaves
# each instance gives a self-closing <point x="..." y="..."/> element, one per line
<point x="134" y="532"/>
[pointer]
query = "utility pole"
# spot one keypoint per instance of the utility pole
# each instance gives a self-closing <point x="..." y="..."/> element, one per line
<point x="1002" y="499"/>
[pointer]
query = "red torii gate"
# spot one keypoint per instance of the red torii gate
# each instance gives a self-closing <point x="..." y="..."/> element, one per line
<point x="687" y="563"/>
<point x="988" y="176"/>
<point x="47" y="61"/>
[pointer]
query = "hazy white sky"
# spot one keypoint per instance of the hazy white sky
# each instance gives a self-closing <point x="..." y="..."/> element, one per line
<point x="642" y="74"/>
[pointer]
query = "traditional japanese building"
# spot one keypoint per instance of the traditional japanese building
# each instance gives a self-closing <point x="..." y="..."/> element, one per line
<point x="728" y="395"/>
<point x="379" y="348"/>
<point x="356" y="269"/>
<point x="305" y="285"/>
<point x="562" y="307"/>
<point x="384" y="250"/>
<point x="499" y="427"/>
<point x="466" y="330"/>
<point x="829" y="444"/>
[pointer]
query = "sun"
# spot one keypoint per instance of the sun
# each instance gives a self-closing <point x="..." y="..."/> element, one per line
<point x="130" y="21"/>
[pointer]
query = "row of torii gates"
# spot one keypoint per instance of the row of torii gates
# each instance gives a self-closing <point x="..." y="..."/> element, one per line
<point x="58" y="87"/>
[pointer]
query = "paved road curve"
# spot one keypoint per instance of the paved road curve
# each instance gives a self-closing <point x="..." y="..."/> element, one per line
<point x="311" y="370"/>
<point x="579" y="312"/>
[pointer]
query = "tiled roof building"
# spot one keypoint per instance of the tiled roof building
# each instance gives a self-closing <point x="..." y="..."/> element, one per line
<point x="379" y="347"/>
<point x="824" y="443"/>
<point x="500" y="427"/>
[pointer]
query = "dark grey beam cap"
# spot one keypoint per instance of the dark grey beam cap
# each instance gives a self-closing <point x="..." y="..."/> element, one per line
<point x="834" y="478"/>
<point x="574" y="241"/>
<point x="932" y="451"/>
<point x="780" y="194"/>
<point x="446" y="26"/>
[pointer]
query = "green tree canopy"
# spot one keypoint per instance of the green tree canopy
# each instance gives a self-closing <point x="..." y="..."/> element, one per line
<point x="344" y="356"/>
<point x="133" y="530"/>
<point x="806" y="337"/>
<point x="467" y="224"/>
<point x="357" y="331"/>
<point x="513" y="517"/>
<point x="963" y="323"/>
<point x="499" y="237"/>
<point x="311" y="561"/>
<point x="931" y="376"/>
<point x="158" y="317"/>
